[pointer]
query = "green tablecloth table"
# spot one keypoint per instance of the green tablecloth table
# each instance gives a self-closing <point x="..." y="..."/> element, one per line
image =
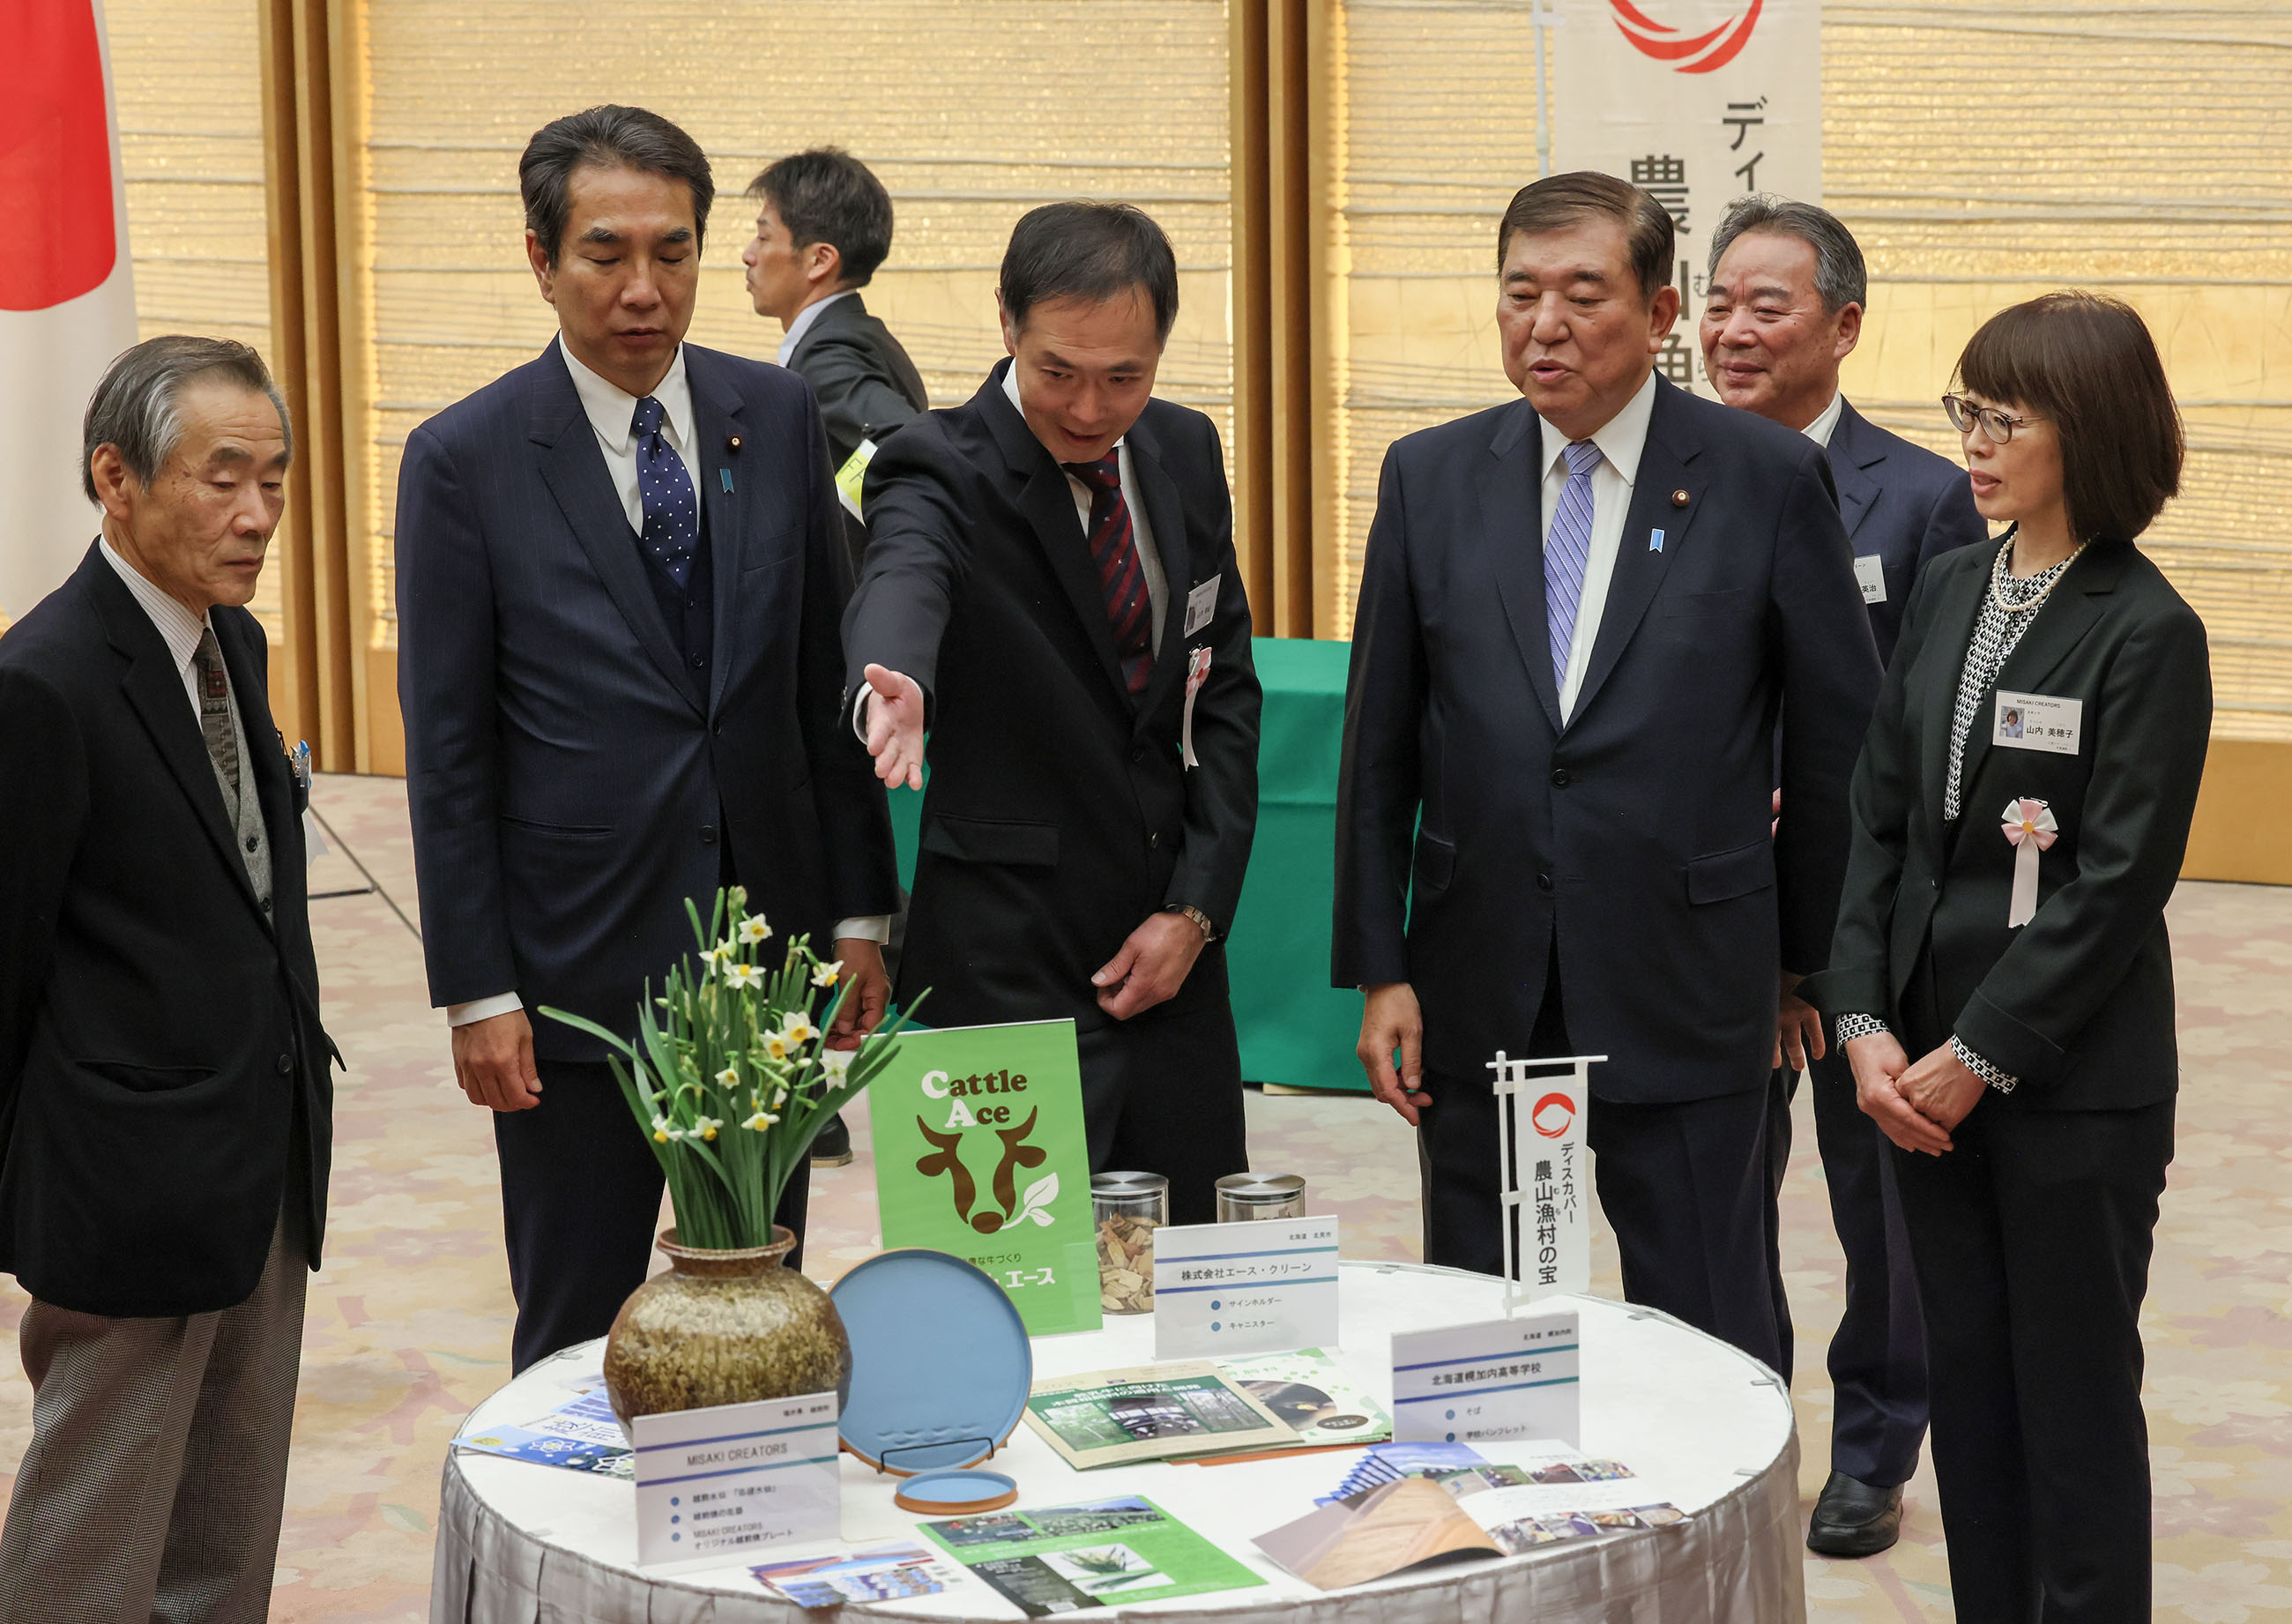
<point x="1295" y="1029"/>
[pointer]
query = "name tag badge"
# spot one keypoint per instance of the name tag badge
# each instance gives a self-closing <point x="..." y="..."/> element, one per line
<point x="1870" y="574"/>
<point x="1201" y="603"/>
<point x="2037" y="721"/>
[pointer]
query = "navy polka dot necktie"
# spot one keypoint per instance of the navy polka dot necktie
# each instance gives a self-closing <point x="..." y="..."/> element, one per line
<point x="672" y="515"/>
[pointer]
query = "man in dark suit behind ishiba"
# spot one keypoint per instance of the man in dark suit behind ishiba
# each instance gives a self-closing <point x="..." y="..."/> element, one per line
<point x="1581" y="615"/>
<point x="1051" y="584"/>
<point x="165" y="1112"/>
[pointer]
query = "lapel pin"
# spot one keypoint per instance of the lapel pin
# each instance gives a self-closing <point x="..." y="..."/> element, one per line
<point x="1655" y="541"/>
<point x="726" y="475"/>
<point x="731" y="442"/>
<point x="1678" y="498"/>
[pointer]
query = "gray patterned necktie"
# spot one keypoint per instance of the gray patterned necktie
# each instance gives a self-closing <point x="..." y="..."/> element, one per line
<point x="214" y="713"/>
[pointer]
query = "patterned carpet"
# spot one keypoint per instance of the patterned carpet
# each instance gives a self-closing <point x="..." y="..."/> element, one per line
<point x="409" y="1322"/>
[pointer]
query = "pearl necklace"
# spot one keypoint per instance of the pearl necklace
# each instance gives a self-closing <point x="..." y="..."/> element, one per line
<point x="2044" y="583"/>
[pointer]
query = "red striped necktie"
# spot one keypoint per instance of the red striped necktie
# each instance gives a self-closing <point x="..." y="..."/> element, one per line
<point x="1121" y="573"/>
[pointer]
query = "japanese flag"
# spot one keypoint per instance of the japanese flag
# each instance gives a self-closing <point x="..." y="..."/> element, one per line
<point x="67" y="294"/>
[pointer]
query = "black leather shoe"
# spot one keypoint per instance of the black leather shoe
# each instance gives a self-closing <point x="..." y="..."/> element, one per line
<point x="1854" y="1518"/>
<point x="832" y="1147"/>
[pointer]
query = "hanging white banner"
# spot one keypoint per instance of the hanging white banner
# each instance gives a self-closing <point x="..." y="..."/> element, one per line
<point x="1699" y="102"/>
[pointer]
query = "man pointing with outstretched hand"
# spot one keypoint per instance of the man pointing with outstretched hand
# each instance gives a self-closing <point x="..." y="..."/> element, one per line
<point x="1050" y="587"/>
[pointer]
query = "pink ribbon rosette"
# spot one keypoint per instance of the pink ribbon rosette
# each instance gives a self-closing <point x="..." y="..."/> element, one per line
<point x="2030" y="828"/>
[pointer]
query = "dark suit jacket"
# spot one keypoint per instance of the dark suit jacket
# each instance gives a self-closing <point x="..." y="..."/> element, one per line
<point x="2078" y="1004"/>
<point x="1639" y="832"/>
<point x="159" y="1038"/>
<point x="1059" y="814"/>
<point x="569" y="776"/>
<point x="1901" y="503"/>
<point x="867" y="387"/>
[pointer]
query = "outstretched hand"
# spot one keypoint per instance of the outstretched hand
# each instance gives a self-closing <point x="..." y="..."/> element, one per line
<point x="895" y="726"/>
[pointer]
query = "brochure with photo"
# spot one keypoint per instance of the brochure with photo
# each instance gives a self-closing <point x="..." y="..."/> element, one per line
<point x="876" y="1573"/>
<point x="1311" y="1393"/>
<point x="581" y="1434"/>
<point x="1440" y="1510"/>
<point x="1112" y="1417"/>
<point x="1101" y="1553"/>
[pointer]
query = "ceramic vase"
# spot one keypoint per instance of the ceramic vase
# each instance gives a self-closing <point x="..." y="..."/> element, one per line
<point x="725" y="1328"/>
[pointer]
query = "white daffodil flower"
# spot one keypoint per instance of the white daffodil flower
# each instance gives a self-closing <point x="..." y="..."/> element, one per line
<point x="717" y="958"/>
<point x="665" y="1131"/>
<point x="761" y="1121"/>
<point x="729" y="1078"/>
<point x="798" y="1029"/>
<point x="706" y="1126"/>
<point x="835" y="1064"/>
<point x="827" y="974"/>
<point x="753" y="930"/>
<point x="740" y="978"/>
<point x="777" y="1044"/>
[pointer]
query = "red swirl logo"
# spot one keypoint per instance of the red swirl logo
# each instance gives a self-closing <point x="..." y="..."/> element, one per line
<point x="1553" y="1115"/>
<point x="1701" y="55"/>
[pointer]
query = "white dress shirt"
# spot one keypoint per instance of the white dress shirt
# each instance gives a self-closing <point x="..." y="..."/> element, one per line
<point x="612" y="414"/>
<point x="1621" y="439"/>
<point x="180" y="630"/>
<point x="805" y="317"/>
<point x="1826" y="424"/>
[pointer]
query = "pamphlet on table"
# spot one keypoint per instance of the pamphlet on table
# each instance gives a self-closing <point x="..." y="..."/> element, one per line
<point x="1441" y="1510"/>
<point x="580" y="1434"/>
<point x="1153" y="1412"/>
<point x="1100" y="1553"/>
<point x="980" y="1152"/>
<point x="892" y="1573"/>
<point x="1313" y="1394"/>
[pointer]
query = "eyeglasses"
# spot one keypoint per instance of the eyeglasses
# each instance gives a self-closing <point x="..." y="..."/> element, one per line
<point x="1997" y="427"/>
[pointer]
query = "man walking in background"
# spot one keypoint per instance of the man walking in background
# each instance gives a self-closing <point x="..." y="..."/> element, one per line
<point x="165" y="1112"/>
<point x="1581" y="614"/>
<point x="1052" y="588"/>
<point x="1784" y="310"/>
<point x="823" y="227"/>
<point x="620" y="570"/>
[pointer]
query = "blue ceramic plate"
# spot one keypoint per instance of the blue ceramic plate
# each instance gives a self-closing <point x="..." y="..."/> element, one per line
<point x="955" y="1494"/>
<point x="940" y="1367"/>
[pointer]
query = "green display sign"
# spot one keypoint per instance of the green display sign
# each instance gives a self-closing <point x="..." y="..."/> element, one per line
<point x="980" y="1151"/>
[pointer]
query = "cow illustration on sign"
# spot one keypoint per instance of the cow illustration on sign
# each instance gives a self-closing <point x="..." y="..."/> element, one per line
<point x="1702" y="53"/>
<point x="946" y="1157"/>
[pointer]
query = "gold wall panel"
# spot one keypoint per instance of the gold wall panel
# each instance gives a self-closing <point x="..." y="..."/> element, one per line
<point x="971" y="114"/>
<point x="187" y="78"/>
<point x="1982" y="151"/>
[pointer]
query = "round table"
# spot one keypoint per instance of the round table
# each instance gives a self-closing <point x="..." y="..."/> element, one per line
<point x="1707" y="1428"/>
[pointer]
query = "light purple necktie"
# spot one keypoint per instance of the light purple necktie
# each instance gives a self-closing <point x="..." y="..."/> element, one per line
<point x="1566" y="551"/>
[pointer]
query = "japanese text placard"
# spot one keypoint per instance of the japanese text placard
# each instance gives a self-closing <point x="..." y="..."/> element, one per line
<point x="1501" y="1378"/>
<point x="1257" y="1287"/>
<point x="734" y="1480"/>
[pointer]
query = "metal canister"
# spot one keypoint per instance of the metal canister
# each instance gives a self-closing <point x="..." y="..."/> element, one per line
<point x="1243" y="1197"/>
<point x="1126" y="1209"/>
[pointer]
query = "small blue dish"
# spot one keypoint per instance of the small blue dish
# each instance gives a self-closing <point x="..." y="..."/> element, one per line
<point x="955" y="1494"/>
<point x="941" y="1365"/>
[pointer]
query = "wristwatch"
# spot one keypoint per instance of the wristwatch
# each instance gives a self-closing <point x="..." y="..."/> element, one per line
<point x="1209" y="931"/>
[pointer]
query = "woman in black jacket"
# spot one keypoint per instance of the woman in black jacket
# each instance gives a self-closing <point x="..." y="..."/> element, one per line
<point x="2000" y="977"/>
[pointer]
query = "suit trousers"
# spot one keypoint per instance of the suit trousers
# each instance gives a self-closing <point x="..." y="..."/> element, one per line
<point x="1683" y="1186"/>
<point x="1877" y="1357"/>
<point x="156" y="1474"/>
<point x="1161" y="1093"/>
<point x="581" y="1206"/>
<point x="2032" y="1239"/>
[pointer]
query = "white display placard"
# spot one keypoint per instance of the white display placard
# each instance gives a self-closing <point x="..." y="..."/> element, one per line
<point x="1265" y="1287"/>
<point x="718" y="1484"/>
<point x="1500" y="1379"/>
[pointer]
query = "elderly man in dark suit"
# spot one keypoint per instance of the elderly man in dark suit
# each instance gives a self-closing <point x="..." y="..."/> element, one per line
<point x="165" y="1110"/>
<point x="1580" y="618"/>
<point x="620" y="570"/>
<point x="1784" y="308"/>
<point x="1051" y="583"/>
